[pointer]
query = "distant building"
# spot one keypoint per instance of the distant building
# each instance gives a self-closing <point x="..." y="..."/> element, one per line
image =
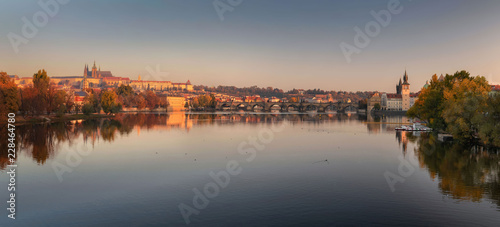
<point x="79" y="97"/>
<point x="402" y="100"/>
<point x="376" y="98"/>
<point x="94" y="78"/>
<point x="154" y="85"/>
<point x="495" y="90"/>
<point x="176" y="103"/>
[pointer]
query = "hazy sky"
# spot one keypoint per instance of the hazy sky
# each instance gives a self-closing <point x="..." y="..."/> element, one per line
<point x="279" y="43"/>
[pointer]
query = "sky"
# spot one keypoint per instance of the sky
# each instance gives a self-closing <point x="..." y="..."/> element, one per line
<point x="279" y="43"/>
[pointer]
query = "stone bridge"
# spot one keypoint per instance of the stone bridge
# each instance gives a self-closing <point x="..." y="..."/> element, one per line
<point x="287" y="106"/>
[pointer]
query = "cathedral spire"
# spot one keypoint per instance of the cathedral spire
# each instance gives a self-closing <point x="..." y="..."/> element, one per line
<point x="405" y="78"/>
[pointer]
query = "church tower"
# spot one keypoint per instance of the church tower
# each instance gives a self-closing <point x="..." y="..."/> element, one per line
<point x="94" y="71"/>
<point x="405" y="93"/>
<point x="398" y="87"/>
<point x="85" y="83"/>
<point x="85" y="71"/>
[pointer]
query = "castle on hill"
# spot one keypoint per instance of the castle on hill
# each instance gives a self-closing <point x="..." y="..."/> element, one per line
<point x="97" y="79"/>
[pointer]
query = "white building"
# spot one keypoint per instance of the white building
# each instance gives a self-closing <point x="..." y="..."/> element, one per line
<point x="402" y="100"/>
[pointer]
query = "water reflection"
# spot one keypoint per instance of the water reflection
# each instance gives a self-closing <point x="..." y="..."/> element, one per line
<point x="41" y="141"/>
<point x="465" y="173"/>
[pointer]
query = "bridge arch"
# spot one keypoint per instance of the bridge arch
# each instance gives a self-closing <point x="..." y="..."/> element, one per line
<point x="253" y="107"/>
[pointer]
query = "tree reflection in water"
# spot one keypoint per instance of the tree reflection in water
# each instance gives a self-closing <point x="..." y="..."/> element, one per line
<point x="464" y="172"/>
<point x="41" y="141"/>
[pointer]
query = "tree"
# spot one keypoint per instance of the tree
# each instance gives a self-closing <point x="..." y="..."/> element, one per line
<point x="93" y="100"/>
<point x="377" y="106"/>
<point x="57" y="101"/>
<point x="78" y="107"/>
<point x="70" y="102"/>
<point x="9" y="97"/>
<point x="460" y="105"/>
<point x="464" y="103"/>
<point x="140" y="101"/>
<point x="489" y="124"/>
<point x="363" y="104"/>
<point x="108" y="102"/>
<point x="212" y="102"/>
<point x="29" y="100"/>
<point x="87" y="109"/>
<point x="41" y="82"/>
<point x="152" y="101"/>
<point x="124" y="90"/>
<point x="163" y="102"/>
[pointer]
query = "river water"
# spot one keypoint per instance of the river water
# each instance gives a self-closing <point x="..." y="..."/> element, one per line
<point x="246" y="169"/>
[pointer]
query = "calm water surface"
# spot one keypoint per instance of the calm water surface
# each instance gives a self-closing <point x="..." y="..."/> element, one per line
<point x="306" y="170"/>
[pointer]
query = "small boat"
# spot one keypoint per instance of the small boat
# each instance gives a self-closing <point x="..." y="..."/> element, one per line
<point x="414" y="127"/>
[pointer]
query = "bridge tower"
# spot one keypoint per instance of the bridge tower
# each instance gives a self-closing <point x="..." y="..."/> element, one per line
<point x="405" y="93"/>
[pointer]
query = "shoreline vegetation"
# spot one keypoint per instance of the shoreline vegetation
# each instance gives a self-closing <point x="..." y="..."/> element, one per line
<point x="22" y="120"/>
<point x="462" y="106"/>
<point x="458" y="104"/>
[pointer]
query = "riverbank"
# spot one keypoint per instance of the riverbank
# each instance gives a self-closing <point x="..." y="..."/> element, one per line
<point x="52" y="118"/>
<point x="388" y="112"/>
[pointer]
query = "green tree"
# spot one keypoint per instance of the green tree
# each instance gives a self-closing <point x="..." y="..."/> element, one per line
<point x="212" y="102"/>
<point x="377" y="106"/>
<point x="465" y="101"/>
<point x="41" y="82"/>
<point x="58" y="100"/>
<point x="124" y="90"/>
<point x="460" y="105"/>
<point x="108" y="101"/>
<point x="78" y="107"/>
<point x="93" y="100"/>
<point x="489" y="123"/>
<point x="87" y="109"/>
<point x="9" y="96"/>
<point x="428" y="106"/>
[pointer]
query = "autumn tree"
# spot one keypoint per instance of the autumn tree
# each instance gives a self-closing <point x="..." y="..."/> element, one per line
<point x="152" y="101"/>
<point x="41" y="82"/>
<point x="58" y="102"/>
<point x="460" y="105"/>
<point x="429" y="105"/>
<point x="9" y="97"/>
<point x="108" y="102"/>
<point x="140" y="102"/>
<point x="29" y="100"/>
<point x="91" y="104"/>
<point x="124" y="90"/>
<point x="465" y="103"/>
<point x="70" y="102"/>
<point x="489" y="124"/>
